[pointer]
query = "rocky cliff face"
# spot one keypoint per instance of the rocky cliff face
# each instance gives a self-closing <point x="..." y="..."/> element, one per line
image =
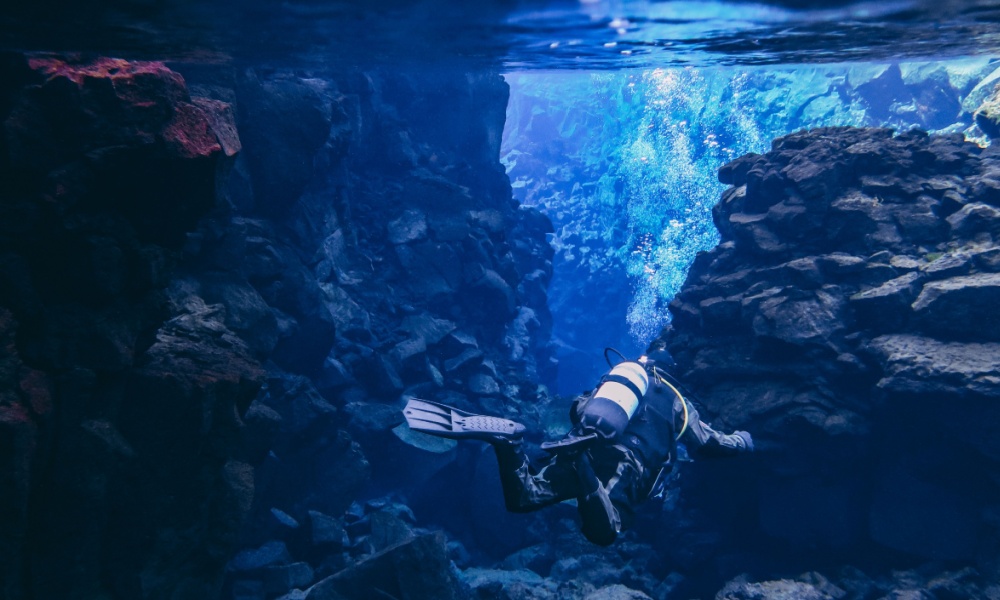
<point x="121" y="402"/>
<point x="207" y="333"/>
<point x="848" y="319"/>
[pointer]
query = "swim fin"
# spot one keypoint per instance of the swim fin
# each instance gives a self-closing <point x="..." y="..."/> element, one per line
<point x="444" y="421"/>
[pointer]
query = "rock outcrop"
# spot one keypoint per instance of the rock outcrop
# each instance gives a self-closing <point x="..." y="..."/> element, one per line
<point x="121" y="399"/>
<point x="848" y="320"/>
<point x="208" y="333"/>
<point x="381" y="256"/>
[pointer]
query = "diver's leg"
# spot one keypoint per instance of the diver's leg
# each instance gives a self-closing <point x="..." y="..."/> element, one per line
<point x="525" y="489"/>
<point x="599" y="516"/>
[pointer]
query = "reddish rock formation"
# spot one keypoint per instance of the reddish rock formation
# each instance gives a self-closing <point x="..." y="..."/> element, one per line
<point x="119" y="410"/>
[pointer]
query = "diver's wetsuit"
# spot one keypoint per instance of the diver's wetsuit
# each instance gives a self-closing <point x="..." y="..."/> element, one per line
<point x="609" y="479"/>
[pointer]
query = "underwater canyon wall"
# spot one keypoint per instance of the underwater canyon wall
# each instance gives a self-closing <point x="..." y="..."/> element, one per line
<point x="216" y="288"/>
<point x="849" y="320"/>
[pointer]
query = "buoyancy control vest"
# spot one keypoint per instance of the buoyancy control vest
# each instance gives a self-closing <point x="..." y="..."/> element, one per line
<point x="651" y="431"/>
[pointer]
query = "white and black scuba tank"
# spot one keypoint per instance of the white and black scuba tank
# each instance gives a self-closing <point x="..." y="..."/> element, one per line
<point x="615" y="400"/>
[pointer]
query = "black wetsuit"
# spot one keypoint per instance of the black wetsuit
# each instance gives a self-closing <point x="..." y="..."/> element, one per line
<point x="610" y="478"/>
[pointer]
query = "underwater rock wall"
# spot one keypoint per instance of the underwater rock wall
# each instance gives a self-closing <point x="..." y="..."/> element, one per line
<point x="401" y="267"/>
<point x="120" y="404"/>
<point x="848" y="319"/>
<point x="214" y="294"/>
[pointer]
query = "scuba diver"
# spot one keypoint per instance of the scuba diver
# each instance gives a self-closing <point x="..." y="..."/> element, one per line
<point x="619" y="452"/>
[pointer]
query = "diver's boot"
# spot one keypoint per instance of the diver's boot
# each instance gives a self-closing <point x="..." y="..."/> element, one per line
<point x="444" y="421"/>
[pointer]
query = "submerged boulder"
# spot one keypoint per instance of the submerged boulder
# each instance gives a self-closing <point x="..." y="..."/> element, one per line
<point x="415" y="568"/>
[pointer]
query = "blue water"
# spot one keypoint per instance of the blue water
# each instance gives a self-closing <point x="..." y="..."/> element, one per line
<point x="625" y="163"/>
<point x="513" y="35"/>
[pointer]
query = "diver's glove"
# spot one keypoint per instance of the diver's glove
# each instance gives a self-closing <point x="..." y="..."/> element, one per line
<point x="746" y="440"/>
<point x="575" y="441"/>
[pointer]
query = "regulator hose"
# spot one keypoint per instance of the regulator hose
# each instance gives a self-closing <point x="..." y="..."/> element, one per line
<point x="661" y="379"/>
<point x="607" y="359"/>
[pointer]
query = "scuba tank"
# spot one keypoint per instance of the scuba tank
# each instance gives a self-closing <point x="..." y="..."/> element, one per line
<point x="608" y="410"/>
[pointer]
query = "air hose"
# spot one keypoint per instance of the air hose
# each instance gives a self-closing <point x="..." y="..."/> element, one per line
<point x="684" y="403"/>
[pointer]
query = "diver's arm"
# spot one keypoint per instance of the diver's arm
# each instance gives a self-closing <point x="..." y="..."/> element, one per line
<point x="702" y="440"/>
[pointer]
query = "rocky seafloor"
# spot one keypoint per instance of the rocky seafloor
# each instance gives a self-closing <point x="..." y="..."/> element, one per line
<point x="217" y="287"/>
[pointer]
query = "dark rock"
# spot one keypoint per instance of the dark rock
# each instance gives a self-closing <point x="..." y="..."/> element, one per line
<point x="410" y="354"/>
<point x="262" y="424"/>
<point x="504" y="583"/>
<point x="616" y="591"/>
<point x="387" y="530"/>
<point x="975" y="218"/>
<point x="249" y="590"/>
<point x="920" y="365"/>
<point x="734" y="173"/>
<point x="886" y="307"/>
<point x="333" y="377"/>
<point x="372" y="418"/>
<point x="284" y="121"/>
<point x="279" y="579"/>
<point x="415" y="568"/>
<point x="903" y="499"/>
<point x="848" y="310"/>
<point x="284" y="519"/>
<point x="434" y="268"/>
<point x="428" y="328"/>
<point x="782" y="589"/>
<point x="351" y="320"/>
<point x="327" y="531"/>
<point x="961" y="307"/>
<point x="270" y="554"/>
<point x="298" y="402"/>
<point x="812" y="320"/>
<point x="468" y="358"/>
<point x="987" y="116"/>
<point x="411" y="226"/>
<point x="538" y="558"/>
<point x="483" y="385"/>
<point x="19" y="432"/>
<point x="988" y="259"/>
<point x="949" y="265"/>
<point x="491" y="295"/>
<point x="246" y="312"/>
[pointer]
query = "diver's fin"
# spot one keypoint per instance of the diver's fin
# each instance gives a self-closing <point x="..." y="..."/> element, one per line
<point x="572" y="441"/>
<point x="445" y="421"/>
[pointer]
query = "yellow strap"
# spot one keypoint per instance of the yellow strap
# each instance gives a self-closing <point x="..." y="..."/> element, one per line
<point x="683" y="401"/>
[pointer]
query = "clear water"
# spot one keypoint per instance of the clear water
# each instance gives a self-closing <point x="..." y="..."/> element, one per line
<point x="512" y="35"/>
<point x="625" y="163"/>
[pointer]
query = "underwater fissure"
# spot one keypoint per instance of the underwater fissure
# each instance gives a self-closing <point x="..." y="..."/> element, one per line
<point x="219" y="286"/>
